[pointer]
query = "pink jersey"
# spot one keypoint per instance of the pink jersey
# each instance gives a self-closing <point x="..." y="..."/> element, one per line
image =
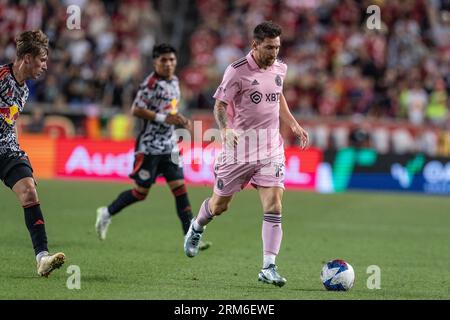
<point x="253" y="97"/>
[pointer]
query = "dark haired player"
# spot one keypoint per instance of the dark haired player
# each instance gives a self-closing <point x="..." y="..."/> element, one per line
<point x="155" y="106"/>
<point x="250" y="99"/>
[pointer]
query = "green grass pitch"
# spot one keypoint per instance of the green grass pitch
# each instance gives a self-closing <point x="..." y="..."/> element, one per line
<point x="407" y="236"/>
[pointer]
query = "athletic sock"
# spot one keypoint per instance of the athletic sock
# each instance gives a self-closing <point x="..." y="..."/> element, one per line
<point x="34" y="221"/>
<point x="125" y="199"/>
<point x="184" y="210"/>
<point x="272" y="233"/>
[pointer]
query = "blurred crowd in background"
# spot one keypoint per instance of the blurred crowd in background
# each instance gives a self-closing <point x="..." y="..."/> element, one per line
<point x="98" y="65"/>
<point x="337" y="66"/>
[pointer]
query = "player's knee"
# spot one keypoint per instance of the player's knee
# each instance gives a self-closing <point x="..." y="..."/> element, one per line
<point x="179" y="190"/>
<point x="28" y="194"/>
<point x="218" y="209"/>
<point x="140" y="193"/>
<point x="274" y="207"/>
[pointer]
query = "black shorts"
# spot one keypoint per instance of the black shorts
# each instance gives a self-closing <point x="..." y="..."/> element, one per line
<point x="14" y="167"/>
<point x="148" y="167"/>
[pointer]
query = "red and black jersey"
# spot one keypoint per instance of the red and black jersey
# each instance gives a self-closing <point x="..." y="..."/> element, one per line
<point x="13" y="97"/>
<point x="162" y="96"/>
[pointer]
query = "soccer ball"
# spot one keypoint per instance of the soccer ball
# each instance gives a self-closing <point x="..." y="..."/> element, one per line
<point x="337" y="275"/>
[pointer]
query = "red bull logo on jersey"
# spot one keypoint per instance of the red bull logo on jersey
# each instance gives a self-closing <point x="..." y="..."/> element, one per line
<point x="9" y="114"/>
<point x="172" y="106"/>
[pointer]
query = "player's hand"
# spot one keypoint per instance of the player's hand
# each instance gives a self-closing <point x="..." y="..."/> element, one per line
<point x="230" y="137"/>
<point x="301" y="134"/>
<point x="188" y="125"/>
<point x="175" y="119"/>
<point x="186" y="122"/>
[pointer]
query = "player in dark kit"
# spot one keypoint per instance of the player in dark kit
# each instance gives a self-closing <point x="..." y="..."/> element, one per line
<point x="15" y="168"/>
<point x="156" y="145"/>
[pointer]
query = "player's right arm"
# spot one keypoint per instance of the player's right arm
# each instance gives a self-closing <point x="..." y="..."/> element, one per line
<point x="225" y="94"/>
<point x="10" y="104"/>
<point x="139" y="108"/>
<point x="146" y="114"/>
<point x="220" y="114"/>
<point x="4" y="86"/>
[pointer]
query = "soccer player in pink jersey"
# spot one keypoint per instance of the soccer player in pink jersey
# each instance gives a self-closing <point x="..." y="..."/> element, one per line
<point x="250" y="104"/>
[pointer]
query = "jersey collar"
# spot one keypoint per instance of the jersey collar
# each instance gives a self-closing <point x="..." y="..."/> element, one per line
<point x="161" y="78"/>
<point x="253" y="65"/>
<point x="10" y="66"/>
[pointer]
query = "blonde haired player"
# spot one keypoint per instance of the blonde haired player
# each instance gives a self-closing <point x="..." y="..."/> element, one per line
<point x="15" y="168"/>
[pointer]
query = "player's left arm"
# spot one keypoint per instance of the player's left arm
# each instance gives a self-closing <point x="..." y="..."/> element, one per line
<point x="287" y="117"/>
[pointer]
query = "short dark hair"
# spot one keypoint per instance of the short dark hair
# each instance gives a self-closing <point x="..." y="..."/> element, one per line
<point x="266" y="29"/>
<point x="162" y="49"/>
<point x="34" y="42"/>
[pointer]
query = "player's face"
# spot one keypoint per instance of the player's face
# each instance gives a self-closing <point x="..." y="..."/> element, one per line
<point x="266" y="52"/>
<point x="165" y="65"/>
<point x="37" y="65"/>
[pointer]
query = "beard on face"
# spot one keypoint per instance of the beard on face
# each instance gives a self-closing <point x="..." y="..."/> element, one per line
<point x="269" y="61"/>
